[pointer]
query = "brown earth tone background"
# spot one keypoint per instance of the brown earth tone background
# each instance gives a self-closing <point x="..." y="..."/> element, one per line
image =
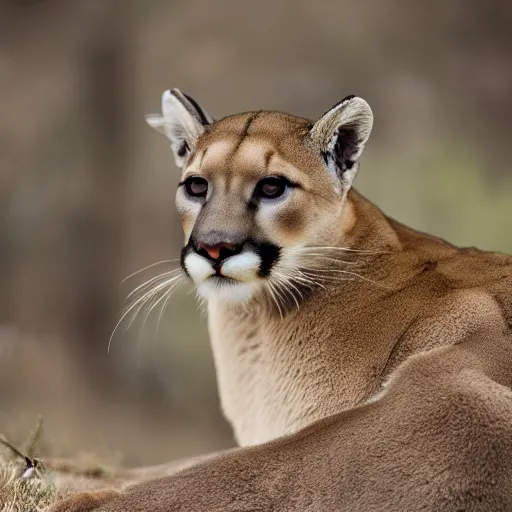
<point x="87" y="189"/>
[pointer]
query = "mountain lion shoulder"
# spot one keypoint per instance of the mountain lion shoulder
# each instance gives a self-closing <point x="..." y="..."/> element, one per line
<point x="363" y="365"/>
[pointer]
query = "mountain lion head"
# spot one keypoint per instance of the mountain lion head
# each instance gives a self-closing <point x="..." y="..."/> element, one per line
<point x="260" y="192"/>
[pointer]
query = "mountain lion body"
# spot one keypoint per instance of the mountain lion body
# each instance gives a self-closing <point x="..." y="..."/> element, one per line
<point x="363" y="365"/>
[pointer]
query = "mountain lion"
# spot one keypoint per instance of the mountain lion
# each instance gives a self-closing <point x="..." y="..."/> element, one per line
<point x="364" y="366"/>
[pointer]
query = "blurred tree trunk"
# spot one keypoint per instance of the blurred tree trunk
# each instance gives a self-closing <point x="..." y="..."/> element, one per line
<point x="62" y="257"/>
<point x="97" y="231"/>
<point x="5" y="261"/>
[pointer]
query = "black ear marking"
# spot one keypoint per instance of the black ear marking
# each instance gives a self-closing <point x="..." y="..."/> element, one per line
<point x="349" y="97"/>
<point x="345" y="149"/>
<point x="341" y="134"/>
<point x="344" y="152"/>
<point x="199" y="110"/>
<point x="346" y="98"/>
<point x="183" y="121"/>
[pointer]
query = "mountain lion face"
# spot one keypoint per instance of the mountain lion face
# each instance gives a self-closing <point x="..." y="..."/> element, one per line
<point x="260" y="192"/>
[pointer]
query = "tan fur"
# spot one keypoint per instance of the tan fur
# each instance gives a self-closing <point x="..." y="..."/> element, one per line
<point x="388" y="390"/>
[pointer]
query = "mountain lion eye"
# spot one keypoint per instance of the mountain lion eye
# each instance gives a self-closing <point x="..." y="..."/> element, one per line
<point x="196" y="186"/>
<point x="271" y="187"/>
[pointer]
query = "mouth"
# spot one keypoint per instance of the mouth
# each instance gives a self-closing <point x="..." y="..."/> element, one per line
<point x="217" y="267"/>
<point x="246" y="270"/>
<point x="223" y="280"/>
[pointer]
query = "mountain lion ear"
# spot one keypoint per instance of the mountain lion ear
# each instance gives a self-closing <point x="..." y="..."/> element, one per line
<point x="341" y="134"/>
<point x="182" y="121"/>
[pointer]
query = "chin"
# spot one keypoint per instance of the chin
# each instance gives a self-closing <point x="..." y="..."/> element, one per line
<point x="230" y="291"/>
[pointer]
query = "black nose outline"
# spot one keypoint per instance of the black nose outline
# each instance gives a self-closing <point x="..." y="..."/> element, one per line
<point x="217" y="252"/>
<point x="269" y="252"/>
<point x="228" y="243"/>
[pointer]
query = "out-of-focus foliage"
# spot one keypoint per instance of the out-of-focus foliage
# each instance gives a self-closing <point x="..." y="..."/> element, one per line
<point x="86" y="188"/>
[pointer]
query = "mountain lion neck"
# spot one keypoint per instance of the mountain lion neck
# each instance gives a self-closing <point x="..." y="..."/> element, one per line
<point x="277" y="375"/>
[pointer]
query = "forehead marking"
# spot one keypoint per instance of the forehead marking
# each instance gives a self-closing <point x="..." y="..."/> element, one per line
<point x="244" y="134"/>
<point x="255" y="154"/>
<point x="268" y="156"/>
<point x="203" y="154"/>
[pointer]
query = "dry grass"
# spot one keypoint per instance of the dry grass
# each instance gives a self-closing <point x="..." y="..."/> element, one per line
<point x="28" y="484"/>
<point x="56" y="480"/>
<point x="22" y="490"/>
<point x="18" y="494"/>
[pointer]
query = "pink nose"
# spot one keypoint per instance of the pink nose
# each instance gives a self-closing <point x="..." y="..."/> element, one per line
<point x="214" y="250"/>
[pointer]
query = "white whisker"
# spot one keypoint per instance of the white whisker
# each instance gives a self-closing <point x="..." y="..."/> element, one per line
<point x="155" y="304"/>
<point x="285" y="284"/>
<point x="348" y="272"/>
<point x="162" y="310"/>
<point x="279" y="292"/>
<point x="302" y="277"/>
<point x="328" y="258"/>
<point x="123" y="316"/>
<point x="153" y="280"/>
<point x="343" y="249"/>
<point x="148" y="267"/>
<point x="153" y="291"/>
<point x="320" y="274"/>
<point x="140" y="302"/>
<point x="271" y="290"/>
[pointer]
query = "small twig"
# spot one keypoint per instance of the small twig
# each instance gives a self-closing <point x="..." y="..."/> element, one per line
<point x="13" y="449"/>
<point x="32" y="464"/>
<point x="34" y="438"/>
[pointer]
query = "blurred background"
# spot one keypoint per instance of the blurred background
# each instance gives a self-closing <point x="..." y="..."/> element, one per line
<point x="87" y="189"/>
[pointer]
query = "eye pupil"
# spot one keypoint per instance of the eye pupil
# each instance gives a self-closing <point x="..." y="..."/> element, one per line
<point x="271" y="188"/>
<point x="196" y="187"/>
